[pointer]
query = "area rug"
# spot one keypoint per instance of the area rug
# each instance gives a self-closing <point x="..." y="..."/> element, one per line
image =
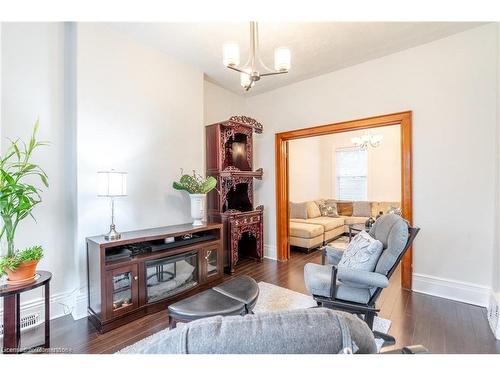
<point x="340" y="243"/>
<point x="276" y="298"/>
<point x="271" y="298"/>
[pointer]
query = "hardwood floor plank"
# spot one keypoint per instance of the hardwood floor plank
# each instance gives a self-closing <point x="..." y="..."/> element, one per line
<point x="403" y="325"/>
<point x="421" y="331"/>
<point x="453" y="328"/>
<point x="485" y="340"/>
<point x="436" y="317"/>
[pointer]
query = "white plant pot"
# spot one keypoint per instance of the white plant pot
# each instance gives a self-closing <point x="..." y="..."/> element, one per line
<point x="198" y="208"/>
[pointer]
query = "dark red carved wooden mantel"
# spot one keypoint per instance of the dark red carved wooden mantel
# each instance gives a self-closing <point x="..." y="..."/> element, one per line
<point x="230" y="160"/>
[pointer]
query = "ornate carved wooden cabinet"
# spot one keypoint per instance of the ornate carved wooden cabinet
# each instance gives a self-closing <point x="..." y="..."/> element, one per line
<point x="230" y="160"/>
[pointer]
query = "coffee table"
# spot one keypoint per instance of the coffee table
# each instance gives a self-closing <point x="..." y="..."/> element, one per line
<point x="356" y="228"/>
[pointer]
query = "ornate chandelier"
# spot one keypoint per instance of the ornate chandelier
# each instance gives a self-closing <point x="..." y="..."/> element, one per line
<point x="249" y="73"/>
<point x="367" y="139"/>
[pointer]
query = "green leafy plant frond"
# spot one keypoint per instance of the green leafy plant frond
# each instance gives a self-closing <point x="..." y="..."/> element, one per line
<point x="9" y="263"/>
<point x="195" y="183"/>
<point x="18" y="198"/>
<point x="34" y="253"/>
<point x="31" y="253"/>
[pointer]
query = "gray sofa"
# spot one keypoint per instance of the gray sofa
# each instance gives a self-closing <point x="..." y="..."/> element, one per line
<point x="304" y="331"/>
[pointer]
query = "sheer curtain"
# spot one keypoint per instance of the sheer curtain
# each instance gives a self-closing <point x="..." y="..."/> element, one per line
<point x="351" y="172"/>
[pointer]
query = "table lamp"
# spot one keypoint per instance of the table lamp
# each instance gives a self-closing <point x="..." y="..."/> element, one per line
<point x="112" y="184"/>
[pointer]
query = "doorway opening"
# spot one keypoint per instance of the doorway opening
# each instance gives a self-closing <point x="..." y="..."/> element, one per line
<point x="346" y="183"/>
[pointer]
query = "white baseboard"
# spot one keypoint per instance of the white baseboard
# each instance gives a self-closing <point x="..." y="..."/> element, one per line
<point x="81" y="303"/>
<point x="494" y="313"/>
<point x="270" y="252"/>
<point x="60" y="304"/>
<point x="452" y="289"/>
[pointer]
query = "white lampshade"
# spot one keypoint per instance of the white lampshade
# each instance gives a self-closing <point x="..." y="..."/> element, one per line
<point x="112" y="184"/>
<point x="282" y="59"/>
<point x="231" y="54"/>
<point x="245" y="79"/>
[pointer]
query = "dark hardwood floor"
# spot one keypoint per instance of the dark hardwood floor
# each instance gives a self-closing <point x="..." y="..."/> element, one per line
<point x="442" y="325"/>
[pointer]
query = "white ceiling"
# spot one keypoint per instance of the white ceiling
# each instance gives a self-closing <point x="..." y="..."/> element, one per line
<point x="317" y="48"/>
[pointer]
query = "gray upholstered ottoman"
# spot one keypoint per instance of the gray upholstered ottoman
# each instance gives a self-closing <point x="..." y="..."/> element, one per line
<point x="234" y="297"/>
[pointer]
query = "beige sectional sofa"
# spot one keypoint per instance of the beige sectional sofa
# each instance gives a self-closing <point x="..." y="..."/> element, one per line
<point x="316" y="230"/>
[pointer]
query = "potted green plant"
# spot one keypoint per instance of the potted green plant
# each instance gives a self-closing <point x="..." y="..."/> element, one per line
<point x="17" y="200"/>
<point x="197" y="187"/>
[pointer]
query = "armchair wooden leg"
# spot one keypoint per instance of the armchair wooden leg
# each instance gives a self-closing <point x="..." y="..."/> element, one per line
<point x="369" y="318"/>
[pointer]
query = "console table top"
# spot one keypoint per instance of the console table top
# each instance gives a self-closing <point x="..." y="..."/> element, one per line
<point x="153" y="233"/>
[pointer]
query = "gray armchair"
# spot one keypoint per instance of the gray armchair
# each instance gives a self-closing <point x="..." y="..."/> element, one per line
<point x="356" y="291"/>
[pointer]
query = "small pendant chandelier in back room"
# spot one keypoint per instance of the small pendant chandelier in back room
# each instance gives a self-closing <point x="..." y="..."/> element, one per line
<point x="249" y="72"/>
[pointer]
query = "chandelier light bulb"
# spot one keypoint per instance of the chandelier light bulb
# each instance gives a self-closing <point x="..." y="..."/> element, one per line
<point x="231" y="54"/>
<point x="245" y="79"/>
<point x="356" y="141"/>
<point x="282" y="59"/>
<point x="376" y="139"/>
<point x="367" y="139"/>
<point x="254" y="69"/>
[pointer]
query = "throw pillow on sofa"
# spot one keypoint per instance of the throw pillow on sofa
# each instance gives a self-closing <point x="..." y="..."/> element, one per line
<point x="328" y="207"/>
<point x="313" y="210"/>
<point x="298" y="210"/>
<point x="362" y="253"/>
<point x="344" y="208"/>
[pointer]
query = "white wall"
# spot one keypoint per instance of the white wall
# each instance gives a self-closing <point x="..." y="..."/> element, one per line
<point x="104" y="101"/>
<point x="494" y="303"/>
<point x="141" y="112"/>
<point x="309" y="171"/>
<point x="312" y="165"/>
<point x="451" y="87"/>
<point x="220" y="104"/>
<point x="496" y="263"/>
<point x="33" y="70"/>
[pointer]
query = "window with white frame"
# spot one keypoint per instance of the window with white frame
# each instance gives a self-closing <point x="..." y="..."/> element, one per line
<point x="351" y="174"/>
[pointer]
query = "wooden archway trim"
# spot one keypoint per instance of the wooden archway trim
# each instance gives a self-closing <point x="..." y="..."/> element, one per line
<point x="282" y="177"/>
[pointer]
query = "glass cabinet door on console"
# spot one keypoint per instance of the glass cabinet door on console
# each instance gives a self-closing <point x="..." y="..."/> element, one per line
<point x="211" y="263"/>
<point x="122" y="292"/>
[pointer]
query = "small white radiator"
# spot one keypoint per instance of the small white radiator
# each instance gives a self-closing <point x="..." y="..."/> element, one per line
<point x="27" y="322"/>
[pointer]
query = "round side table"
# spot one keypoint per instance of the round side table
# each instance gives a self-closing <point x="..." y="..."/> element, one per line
<point x="12" y="312"/>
